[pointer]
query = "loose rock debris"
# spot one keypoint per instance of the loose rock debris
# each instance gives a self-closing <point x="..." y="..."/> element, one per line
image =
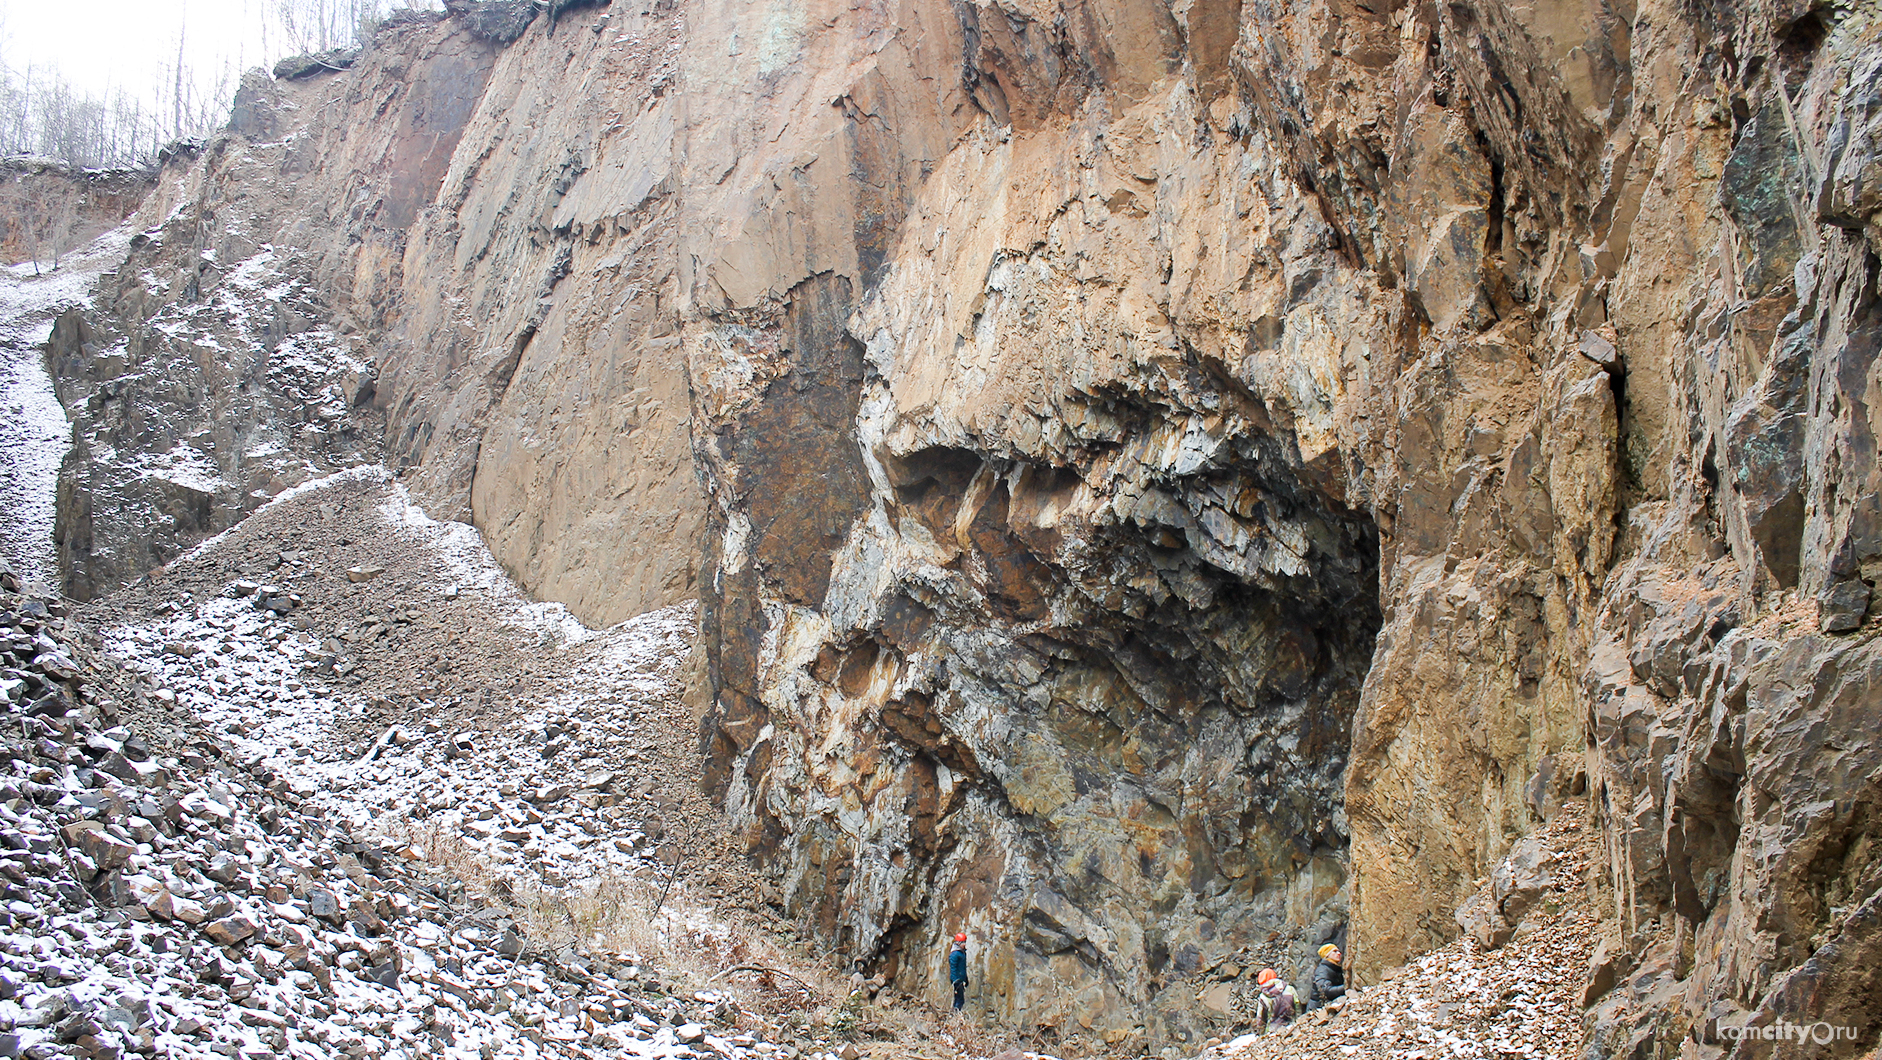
<point x="34" y="432"/>
<point x="1465" y="1001"/>
<point x="259" y="814"/>
<point x="259" y="807"/>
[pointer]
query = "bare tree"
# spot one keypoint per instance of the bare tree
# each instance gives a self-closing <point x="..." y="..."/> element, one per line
<point x="43" y="114"/>
<point x="176" y="95"/>
<point x="319" y="25"/>
<point x="42" y="217"/>
<point x="62" y="221"/>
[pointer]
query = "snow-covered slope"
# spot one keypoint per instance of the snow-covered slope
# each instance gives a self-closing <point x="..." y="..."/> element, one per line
<point x="34" y="432"/>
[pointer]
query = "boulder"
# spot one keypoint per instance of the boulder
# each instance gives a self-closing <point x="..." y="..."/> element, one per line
<point x="1520" y="878"/>
<point x="1479" y="918"/>
<point x="1843" y="604"/>
<point x="90" y="839"/>
<point x="232" y="929"/>
<point x="499" y="21"/>
<point x="296" y="67"/>
<point x="511" y="942"/>
<point x="324" y="904"/>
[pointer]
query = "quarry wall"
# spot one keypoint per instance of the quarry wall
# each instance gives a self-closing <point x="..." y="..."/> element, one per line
<point x="1160" y="478"/>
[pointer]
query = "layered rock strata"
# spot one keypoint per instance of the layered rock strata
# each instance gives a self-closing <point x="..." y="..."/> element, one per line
<point x="230" y="357"/>
<point x="1568" y="305"/>
<point x="48" y="208"/>
<point x="1179" y="476"/>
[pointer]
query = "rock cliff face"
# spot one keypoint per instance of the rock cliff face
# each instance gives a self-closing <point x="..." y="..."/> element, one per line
<point x="435" y="259"/>
<point x="1539" y="337"/>
<point x="1174" y="477"/>
<point x="1092" y="599"/>
<point x="47" y="208"/>
<point x="231" y="356"/>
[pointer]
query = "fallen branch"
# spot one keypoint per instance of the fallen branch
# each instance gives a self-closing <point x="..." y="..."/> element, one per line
<point x="763" y="969"/>
<point x="678" y="860"/>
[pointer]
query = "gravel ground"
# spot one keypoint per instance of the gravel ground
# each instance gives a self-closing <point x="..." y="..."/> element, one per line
<point x="1519" y="1000"/>
<point x="435" y="655"/>
<point x="259" y="807"/>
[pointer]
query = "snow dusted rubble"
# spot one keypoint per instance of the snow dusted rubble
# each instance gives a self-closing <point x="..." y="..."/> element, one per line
<point x="259" y="686"/>
<point x="1467" y="1001"/>
<point x="157" y="465"/>
<point x="235" y="829"/>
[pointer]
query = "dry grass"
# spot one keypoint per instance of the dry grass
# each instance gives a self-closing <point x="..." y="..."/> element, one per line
<point x="785" y="993"/>
<point x="614" y="915"/>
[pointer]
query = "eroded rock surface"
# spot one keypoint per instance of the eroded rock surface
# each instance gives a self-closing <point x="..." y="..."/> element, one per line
<point x="1546" y="304"/>
<point x="1175" y="478"/>
<point x="450" y="255"/>
<point x="49" y="209"/>
<point x="230" y="356"/>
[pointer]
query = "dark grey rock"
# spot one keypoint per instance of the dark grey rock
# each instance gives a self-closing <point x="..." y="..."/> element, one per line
<point x="223" y="869"/>
<point x="501" y="21"/>
<point x="1843" y="605"/>
<point x="511" y="943"/>
<point x="253" y="115"/>
<point x="1759" y="178"/>
<point x="1765" y="432"/>
<point x="325" y="905"/>
<point x="333" y="60"/>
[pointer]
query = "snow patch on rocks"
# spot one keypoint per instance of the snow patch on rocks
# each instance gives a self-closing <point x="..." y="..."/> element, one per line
<point x="34" y="431"/>
<point x="266" y="887"/>
<point x="470" y="565"/>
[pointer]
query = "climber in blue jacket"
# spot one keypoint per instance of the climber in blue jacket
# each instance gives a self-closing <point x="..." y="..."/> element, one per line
<point x="957" y="970"/>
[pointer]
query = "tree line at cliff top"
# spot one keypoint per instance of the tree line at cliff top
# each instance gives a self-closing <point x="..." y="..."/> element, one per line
<point x="43" y="114"/>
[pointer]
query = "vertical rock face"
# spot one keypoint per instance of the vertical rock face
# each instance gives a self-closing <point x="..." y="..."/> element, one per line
<point x="534" y="383"/>
<point x="1173" y="477"/>
<point x="1544" y="331"/>
<point x="455" y="257"/>
<point x="230" y="357"/>
<point x="1075" y="670"/>
<point x="47" y="208"/>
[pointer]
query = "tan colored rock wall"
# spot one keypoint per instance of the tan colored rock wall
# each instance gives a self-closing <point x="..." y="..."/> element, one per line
<point x="233" y="354"/>
<point x="48" y="208"/>
<point x="481" y="240"/>
<point x="1165" y="334"/>
<point x="1173" y="479"/>
<point x="534" y="382"/>
<point x="1078" y="676"/>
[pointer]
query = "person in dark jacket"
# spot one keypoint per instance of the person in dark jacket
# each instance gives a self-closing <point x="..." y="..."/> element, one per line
<point x="1277" y="1000"/>
<point x="957" y="970"/>
<point x="1329" y="980"/>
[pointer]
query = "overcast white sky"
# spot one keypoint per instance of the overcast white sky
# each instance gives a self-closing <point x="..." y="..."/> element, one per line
<point x="105" y="44"/>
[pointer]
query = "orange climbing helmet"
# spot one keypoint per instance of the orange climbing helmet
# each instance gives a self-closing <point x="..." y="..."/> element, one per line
<point x="962" y="937"/>
<point x="1267" y="976"/>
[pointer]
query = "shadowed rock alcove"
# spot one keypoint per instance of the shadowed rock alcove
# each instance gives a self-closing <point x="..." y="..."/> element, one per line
<point x="1095" y="712"/>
